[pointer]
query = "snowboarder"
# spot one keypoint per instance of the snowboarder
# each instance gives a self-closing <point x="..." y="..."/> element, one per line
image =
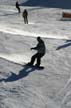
<point x="40" y="52"/>
<point x="25" y="16"/>
<point x="17" y="6"/>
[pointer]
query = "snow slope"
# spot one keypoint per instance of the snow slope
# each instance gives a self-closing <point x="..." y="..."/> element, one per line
<point x="25" y="87"/>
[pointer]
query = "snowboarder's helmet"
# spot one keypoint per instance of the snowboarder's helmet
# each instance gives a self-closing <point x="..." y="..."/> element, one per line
<point x="38" y="38"/>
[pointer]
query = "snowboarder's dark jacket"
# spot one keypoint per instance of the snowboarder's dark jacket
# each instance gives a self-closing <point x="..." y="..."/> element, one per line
<point x="25" y="13"/>
<point x="40" y="47"/>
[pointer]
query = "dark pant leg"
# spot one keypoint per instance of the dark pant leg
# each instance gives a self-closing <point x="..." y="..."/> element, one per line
<point x="39" y="59"/>
<point x="33" y="58"/>
<point x="18" y="9"/>
<point x="25" y="20"/>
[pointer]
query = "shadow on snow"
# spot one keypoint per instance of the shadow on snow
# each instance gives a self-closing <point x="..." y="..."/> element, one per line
<point x="22" y="73"/>
<point x="68" y="43"/>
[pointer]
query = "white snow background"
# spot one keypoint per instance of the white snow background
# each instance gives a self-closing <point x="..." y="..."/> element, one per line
<point x="22" y="87"/>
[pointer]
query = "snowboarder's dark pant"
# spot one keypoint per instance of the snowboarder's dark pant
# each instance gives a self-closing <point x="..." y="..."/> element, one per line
<point x="25" y="20"/>
<point x="18" y="9"/>
<point x="37" y="56"/>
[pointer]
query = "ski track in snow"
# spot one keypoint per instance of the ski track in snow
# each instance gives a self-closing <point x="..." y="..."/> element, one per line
<point x="17" y="58"/>
<point x="26" y="33"/>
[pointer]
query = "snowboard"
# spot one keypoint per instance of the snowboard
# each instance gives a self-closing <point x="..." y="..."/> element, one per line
<point x="34" y="66"/>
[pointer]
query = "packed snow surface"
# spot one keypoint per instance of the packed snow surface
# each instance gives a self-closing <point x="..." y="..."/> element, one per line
<point x="26" y="87"/>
